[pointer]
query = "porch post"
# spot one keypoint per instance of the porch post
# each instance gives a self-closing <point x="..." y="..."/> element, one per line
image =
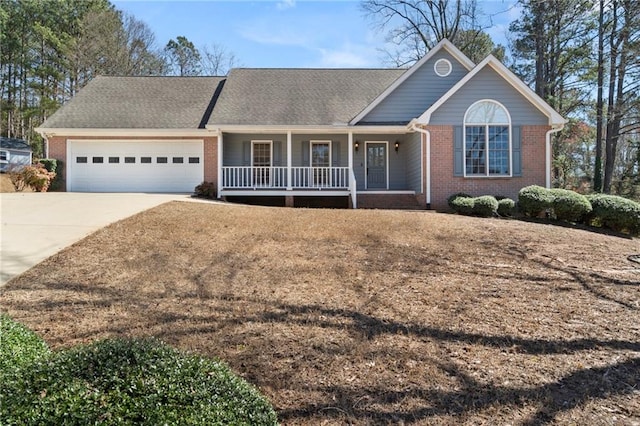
<point x="289" y="162"/>
<point x="219" y="155"/>
<point x="350" y="151"/>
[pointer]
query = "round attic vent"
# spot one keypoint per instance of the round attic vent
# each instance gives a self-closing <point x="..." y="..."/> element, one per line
<point x="442" y="67"/>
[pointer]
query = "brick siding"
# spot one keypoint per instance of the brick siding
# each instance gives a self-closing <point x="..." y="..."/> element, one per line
<point x="444" y="183"/>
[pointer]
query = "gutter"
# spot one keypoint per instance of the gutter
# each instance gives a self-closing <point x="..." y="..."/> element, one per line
<point x="548" y="153"/>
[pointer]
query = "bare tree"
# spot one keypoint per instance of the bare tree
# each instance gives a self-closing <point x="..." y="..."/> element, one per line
<point x="415" y="26"/>
<point x="216" y="60"/>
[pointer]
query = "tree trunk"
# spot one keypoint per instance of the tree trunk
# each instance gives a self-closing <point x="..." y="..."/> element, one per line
<point x="597" y="174"/>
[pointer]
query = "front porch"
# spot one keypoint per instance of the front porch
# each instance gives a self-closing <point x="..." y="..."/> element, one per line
<point x="319" y="165"/>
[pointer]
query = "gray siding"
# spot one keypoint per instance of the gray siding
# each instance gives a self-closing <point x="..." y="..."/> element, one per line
<point x="414" y="163"/>
<point x="397" y="160"/>
<point x="17" y="160"/>
<point x="234" y="148"/>
<point x="415" y="95"/>
<point x="488" y="84"/>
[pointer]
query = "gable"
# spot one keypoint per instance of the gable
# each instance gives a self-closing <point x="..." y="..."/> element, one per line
<point x="417" y="93"/>
<point x="488" y="84"/>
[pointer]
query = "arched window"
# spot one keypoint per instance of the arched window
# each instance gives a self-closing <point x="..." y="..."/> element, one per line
<point x="487" y="139"/>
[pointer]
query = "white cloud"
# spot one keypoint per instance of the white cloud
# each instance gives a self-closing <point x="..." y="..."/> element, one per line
<point x="286" y="4"/>
<point x="347" y="56"/>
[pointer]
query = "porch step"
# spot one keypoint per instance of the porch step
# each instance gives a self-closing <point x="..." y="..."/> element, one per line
<point x="389" y="201"/>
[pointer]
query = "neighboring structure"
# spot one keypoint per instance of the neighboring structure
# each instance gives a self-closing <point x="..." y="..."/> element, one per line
<point x="376" y="137"/>
<point x="14" y="154"/>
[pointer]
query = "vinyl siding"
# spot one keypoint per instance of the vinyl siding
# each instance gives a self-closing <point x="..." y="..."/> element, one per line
<point x="488" y="84"/>
<point x="417" y="93"/>
<point x="397" y="160"/>
<point x="414" y="163"/>
<point x="233" y="149"/>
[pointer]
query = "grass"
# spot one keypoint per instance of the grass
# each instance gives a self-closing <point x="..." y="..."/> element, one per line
<point x="361" y="317"/>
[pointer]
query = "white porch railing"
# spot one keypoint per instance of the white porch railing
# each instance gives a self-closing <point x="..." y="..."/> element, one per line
<point x="245" y="177"/>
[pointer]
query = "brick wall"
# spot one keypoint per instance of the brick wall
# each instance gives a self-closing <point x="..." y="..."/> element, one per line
<point x="58" y="150"/>
<point x="443" y="183"/>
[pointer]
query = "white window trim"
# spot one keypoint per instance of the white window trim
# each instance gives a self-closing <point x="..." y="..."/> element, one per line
<point x="366" y="161"/>
<point x="486" y="125"/>
<point x="7" y="157"/>
<point x="270" y="142"/>
<point x="319" y="142"/>
<point x="435" y="67"/>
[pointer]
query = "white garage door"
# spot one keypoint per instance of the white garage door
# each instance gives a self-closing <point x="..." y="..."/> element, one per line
<point x="134" y="166"/>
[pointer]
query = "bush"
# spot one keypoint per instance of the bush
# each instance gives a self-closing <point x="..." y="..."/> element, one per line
<point x="506" y="207"/>
<point x="533" y="200"/>
<point x="485" y="206"/>
<point x="19" y="347"/>
<point x="206" y="190"/>
<point x="123" y="381"/>
<point x="36" y="176"/>
<point x="454" y="196"/>
<point x="51" y="164"/>
<point x="569" y="206"/>
<point x="616" y="213"/>
<point x="462" y="204"/>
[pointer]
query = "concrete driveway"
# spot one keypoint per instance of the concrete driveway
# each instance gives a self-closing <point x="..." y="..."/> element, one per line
<point x="38" y="225"/>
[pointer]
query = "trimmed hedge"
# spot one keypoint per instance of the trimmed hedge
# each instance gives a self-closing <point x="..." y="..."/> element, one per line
<point x="121" y="381"/>
<point x="506" y="207"/>
<point x="534" y="199"/>
<point x="206" y="190"/>
<point x="485" y="206"/>
<point x="569" y="205"/>
<point x="462" y="204"/>
<point x="451" y="199"/>
<point x="616" y="213"/>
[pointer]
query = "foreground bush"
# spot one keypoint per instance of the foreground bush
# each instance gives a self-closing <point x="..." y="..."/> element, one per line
<point x="616" y="213"/>
<point x="485" y="206"/>
<point x="569" y="205"/>
<point x="534" y="199"/>
<point x="19" y="347"/>
<point x="506" y="207"/>
<point x="120" y="381"/>
<point x="452" y="198"/>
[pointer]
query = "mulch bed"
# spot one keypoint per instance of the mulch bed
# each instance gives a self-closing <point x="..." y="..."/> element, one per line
<point x="364" y="317"/>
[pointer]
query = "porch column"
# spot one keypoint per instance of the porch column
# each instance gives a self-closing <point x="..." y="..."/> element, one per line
<point x="219" y="155"/>
<point x="289" y="162"/>
<point x="350" y="151"/>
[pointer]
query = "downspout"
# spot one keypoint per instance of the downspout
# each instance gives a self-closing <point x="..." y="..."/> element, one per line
<point x="219" y="165"/>
<point x="548" y="154"/>
<point x="427" y="134"/>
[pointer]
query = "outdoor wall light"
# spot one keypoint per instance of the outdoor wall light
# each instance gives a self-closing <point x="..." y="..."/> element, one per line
<point x="356" y="145"/>
<point x="397" y="145"/>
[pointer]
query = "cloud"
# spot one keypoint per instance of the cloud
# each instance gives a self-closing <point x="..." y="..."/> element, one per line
<point x="286" y="4"/>
<point x="347" y="56"/>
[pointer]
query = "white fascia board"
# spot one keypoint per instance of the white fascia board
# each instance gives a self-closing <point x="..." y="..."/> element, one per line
<point x="49" y="132"/>
<point x="443" y="44"/>
<point x="338" y="130"/>
<point x="555" y="119"/>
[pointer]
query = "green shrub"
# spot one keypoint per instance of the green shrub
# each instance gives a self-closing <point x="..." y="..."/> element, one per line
<point x="120" y="381"/>
<point x="569" y="206"/>
<point x="19" y="347"/>
<point x="462" y="205"/>
<point x="506" y="207"/>
<point x="454" y="196"/>
<point x="616" y="213"/>
<point x="206" y="190"/>
<point x="51" y="164"/>
<point x="533" y="200"/>
<point x="485" y="206"/>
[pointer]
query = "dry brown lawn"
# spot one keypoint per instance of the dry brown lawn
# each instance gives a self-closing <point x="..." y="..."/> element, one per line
<point x="365" y="317"/>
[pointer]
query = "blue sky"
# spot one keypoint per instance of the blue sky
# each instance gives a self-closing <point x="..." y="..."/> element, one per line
<point x="286" y="33"/>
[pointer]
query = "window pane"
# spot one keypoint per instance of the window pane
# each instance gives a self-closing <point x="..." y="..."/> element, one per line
<point x="97" y="160"/>
<point x="475" y="158"/>
<point x="320" y="155"/>
<point x="498" y="150"/>
<point x="114" y="160"/>
<point x="129" y="160"/>
<point x="262" y="154"/>
<point x="145" y="160"/>
<point x="194" y="160"/>
<point x="81" y="159"/>
<point x="178" y="160"/>
<point x="487" y="113"/>
<point x="161" y="160"/>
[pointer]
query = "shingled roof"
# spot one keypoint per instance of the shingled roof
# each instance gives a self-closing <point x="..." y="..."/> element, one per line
<point x="139" y="103"/>
<point x="259" y="96"/>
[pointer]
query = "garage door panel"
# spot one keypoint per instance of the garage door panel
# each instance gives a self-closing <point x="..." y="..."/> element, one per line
<point x="122" y="176"/>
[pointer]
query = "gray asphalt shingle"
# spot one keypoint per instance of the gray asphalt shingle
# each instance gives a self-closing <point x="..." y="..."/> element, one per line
<point x="138" y="103"/>
<point x="259" y="96"/>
